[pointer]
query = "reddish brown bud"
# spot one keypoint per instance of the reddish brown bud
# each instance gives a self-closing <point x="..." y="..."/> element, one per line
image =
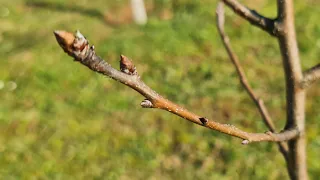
<point x="127" y="66"/>
<point x="65" y="40"/>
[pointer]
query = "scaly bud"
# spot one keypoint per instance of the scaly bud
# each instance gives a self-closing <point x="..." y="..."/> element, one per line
<point x="80" y="41"/>
<point x="127" y="66"/>
<point x="65" y="40"/>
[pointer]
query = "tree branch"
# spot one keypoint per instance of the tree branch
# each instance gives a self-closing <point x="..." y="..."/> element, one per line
<point x="295" y="95"/>
<point x="242" y="77"/>
<point x="253" y="17"/>
<point x="310" y="76"/>
<point x="78" y="47"/>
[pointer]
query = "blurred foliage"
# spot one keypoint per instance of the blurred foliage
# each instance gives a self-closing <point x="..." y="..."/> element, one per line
<point x="58" y="120"/>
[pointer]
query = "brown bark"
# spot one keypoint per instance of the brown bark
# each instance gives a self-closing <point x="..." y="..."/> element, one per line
<point x="294" y="93"/>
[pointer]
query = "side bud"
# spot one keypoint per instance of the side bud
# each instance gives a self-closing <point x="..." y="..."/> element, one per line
<point x="146" y="104"/>
<point x="126" y="66"/>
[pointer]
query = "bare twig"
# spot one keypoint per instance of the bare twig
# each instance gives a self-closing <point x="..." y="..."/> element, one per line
<point x="82" y="52"/>
<point x="310" y="76"/>
<point x="243" y="79"/>
<point x="253" y="17"/>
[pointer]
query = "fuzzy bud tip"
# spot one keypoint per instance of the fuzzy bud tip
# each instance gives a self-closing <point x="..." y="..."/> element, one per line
<point x="65" y="40"/>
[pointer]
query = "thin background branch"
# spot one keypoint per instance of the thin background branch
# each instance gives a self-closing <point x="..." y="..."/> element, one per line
<point x="242" y="77"/>
<point x="295" y="95"/>
<point x="253" y="17"/>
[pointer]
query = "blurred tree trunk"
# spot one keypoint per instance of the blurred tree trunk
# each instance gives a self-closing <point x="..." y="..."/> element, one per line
<point x="139" y="12"/>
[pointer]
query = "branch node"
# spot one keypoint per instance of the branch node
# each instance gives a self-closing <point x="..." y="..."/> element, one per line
<point x="245" y="142"/>
<point x="127" y="66"/>
<point x="146" y="104"/>
<point x="203" y="120"/>
<point x="252" y="16"/>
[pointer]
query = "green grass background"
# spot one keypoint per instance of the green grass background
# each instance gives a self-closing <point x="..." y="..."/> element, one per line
<point x="63" y="121"/>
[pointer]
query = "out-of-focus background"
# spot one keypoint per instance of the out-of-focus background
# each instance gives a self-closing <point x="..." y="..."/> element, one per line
<point x="59" y="120"/>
